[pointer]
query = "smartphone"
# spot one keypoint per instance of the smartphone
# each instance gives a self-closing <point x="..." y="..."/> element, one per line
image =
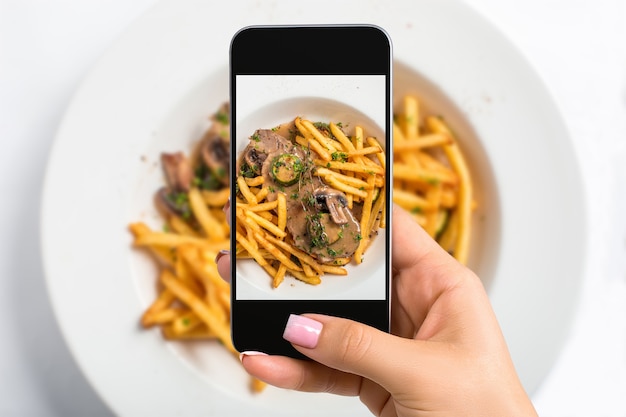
<point x="311" y="123"/>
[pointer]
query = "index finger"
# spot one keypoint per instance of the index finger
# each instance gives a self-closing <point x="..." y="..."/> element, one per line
<point x="300" y="375"/>
<point x="413" y="247"/>
<point x="223" y="258"/>
<point x="423" y="272"/>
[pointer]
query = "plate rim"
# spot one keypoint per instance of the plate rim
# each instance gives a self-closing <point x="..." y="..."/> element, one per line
<point x="72" y="109"/>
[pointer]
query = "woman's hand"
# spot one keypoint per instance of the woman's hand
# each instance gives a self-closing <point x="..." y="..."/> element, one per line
<point x="446" y="355"/>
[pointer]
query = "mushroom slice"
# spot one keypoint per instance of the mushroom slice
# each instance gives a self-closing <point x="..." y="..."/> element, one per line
<point x="216" y="155"/>
<point x="178" y="172"/>
<point x="174" y="202"/>
<point x="254" y="159"/>
<point x="334" y="202"/>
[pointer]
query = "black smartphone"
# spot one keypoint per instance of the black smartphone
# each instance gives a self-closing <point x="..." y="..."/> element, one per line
<point x="311" y="124"/>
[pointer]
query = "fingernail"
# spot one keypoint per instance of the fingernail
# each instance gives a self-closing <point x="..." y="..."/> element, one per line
<point x="302" y="331"/>
<point x="220" y="254"/>
<point x="226" y="206"/>
<point x="250" y="353"/>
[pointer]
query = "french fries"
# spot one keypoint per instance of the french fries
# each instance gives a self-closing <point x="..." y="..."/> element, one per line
<point x="432" y="179"/>
<point x="193" y="301"/>
<point x="352" y="164"/>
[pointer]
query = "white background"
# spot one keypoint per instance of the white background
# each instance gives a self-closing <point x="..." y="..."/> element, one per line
<point x="47" y="47"/>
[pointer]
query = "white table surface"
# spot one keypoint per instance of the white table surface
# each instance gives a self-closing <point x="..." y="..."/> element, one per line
<point x="48" y="46"/>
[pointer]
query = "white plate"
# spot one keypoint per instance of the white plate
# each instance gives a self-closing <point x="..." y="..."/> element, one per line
<point x="153" y="91"/>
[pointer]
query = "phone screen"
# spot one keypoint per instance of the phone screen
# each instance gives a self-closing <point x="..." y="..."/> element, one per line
<point x="310" y="178"/>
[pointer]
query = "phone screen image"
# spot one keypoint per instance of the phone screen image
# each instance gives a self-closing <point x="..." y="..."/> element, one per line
<point x="280" y="120"/>
<point x="309" y="197"/>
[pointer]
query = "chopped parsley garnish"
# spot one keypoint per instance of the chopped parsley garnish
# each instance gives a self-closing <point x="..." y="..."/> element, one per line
<point x="309" y="200"/>
<point x="247" y="171"/>
<point x="222" y="117"/>
<point x="325" y="129"/>
<point x="319" y="238"/>
<point x="206" y="179"/>
<point x="339" y="156"/>
<point x="180" y="202"/>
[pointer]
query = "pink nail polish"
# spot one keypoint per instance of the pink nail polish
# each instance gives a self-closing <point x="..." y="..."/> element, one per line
<point x="250" y="353"/>
<point x="220" y="254"/>
<point x="302" y="331"/>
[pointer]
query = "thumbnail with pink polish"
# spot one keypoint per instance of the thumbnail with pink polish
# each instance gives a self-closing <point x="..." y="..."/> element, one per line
<point x="302" y="331"/>
<point x="250" y="353"/>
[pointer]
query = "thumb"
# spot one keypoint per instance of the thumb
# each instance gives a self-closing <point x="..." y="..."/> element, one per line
<point x="356" y="348"/>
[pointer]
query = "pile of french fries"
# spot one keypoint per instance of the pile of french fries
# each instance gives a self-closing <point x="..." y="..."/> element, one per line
<point x="431" y="178"/>
<point x="194" y="301"/>
<point x="354" y="165"/>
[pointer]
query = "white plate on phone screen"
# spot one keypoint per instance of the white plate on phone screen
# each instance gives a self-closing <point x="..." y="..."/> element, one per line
<point x="153" y="92"/>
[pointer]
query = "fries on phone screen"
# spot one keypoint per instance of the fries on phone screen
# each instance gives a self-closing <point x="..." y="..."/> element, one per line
<point x="309" y="199"/>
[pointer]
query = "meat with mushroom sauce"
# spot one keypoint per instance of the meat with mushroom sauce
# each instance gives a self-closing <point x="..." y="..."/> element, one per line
<point x="318" y="217"/>
<point x="211" y="163"/>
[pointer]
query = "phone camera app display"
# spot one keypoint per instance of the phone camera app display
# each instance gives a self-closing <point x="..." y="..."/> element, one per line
<point x="310" y="187"/>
